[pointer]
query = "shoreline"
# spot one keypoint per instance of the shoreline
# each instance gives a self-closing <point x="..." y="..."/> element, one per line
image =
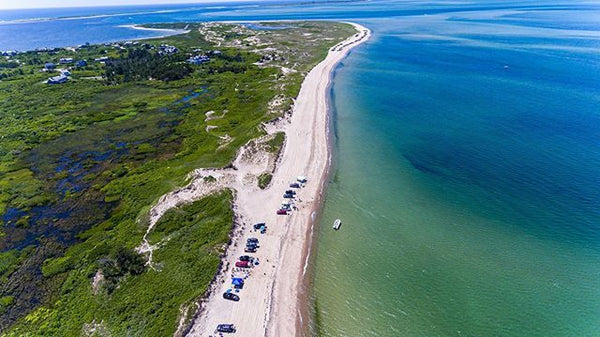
<point x="305" y="312"/>
<point x="274" y="299"/>
<point x="305" y="305"/>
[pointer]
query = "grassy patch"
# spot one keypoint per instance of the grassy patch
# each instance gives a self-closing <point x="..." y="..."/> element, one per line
<point x="264" y="180"/>
<point x="276" y="143"/>
<point x="147" y="304"/>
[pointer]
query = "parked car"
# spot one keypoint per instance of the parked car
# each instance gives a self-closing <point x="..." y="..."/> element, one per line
<point x="243" y="264"/>
<point x="245" y="258"/>
<point x="231" y="297"/>
<point x="259" y="225"/>
<point x="228" y="328"/>
<point x="289" y="196"/>
<point x="290" y="192"/>
<point x="281" y="212"/>
<point x="295" y="185"/>
<point x="252" y="240"/>
<point x="250" y="249"/>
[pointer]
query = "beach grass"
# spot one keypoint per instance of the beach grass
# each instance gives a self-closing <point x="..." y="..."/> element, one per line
<point x="264" y="180"/>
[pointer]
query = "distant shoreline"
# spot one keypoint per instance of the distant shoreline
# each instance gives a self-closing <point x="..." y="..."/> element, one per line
<point x="80" y="17"/>
<point x="166" y="33"/>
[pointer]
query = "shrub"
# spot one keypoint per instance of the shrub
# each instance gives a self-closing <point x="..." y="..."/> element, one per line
<point x="264" y="180"/>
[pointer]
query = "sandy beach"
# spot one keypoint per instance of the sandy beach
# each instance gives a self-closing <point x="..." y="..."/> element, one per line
<point x="270" y="301"/>
<point x="166" y="31"/>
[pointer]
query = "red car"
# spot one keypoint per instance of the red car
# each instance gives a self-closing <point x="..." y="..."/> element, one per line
<point x="242" y="264"/>
<point x="281" y="212"/>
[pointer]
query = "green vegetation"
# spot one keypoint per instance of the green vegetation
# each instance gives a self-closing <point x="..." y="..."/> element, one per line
<point x="122" y="262"/>
<point x="145" y="303"/>
<point x="143" y="64"/>
<point x="264" y="180"/>
<point x="82" y="162"/>
<point x="276" y="143"/>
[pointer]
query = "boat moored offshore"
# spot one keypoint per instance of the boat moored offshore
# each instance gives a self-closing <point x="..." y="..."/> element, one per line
<point x="337" y="224"/>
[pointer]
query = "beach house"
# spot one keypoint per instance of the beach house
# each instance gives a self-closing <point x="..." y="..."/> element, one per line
<point x="60" y="79"/>
<point x="166" y="49"/>
<point x="198" y="59"/>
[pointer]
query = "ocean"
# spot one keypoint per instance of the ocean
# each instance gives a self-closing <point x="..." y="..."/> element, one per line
<point x="466" y="138"/>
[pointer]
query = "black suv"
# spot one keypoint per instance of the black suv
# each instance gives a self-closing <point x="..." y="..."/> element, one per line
<point x="225" y="328"/>
<point x="231" y="296"/>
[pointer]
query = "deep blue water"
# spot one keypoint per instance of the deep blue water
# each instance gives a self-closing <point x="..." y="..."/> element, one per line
<point x="467" y="161"/>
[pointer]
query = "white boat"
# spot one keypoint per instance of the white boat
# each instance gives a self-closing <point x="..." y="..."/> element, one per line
<point x="337" y="224"/>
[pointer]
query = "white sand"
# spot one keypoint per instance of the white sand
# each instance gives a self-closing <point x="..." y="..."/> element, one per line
<point x="271" y="299"/>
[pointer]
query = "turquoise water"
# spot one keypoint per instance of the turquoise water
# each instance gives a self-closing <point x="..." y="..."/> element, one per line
<point x="467" y="160"/>
<point x="467" y="174"/>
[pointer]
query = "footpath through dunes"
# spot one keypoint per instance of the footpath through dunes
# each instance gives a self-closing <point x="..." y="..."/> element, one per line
<point x="270" y="299"/>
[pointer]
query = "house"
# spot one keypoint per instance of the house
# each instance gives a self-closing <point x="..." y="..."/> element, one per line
<point x="60" y="79"/>
<point x="66" y="60"/>
<point x="198" y="59"/>
<point x="81" y="63"/>
<point x="102" y="59"/>
<point x="81" y="46"/>
<point x="167" y="49"/>
<point x="65" y="72"/>
<point x="49" y="66"/>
